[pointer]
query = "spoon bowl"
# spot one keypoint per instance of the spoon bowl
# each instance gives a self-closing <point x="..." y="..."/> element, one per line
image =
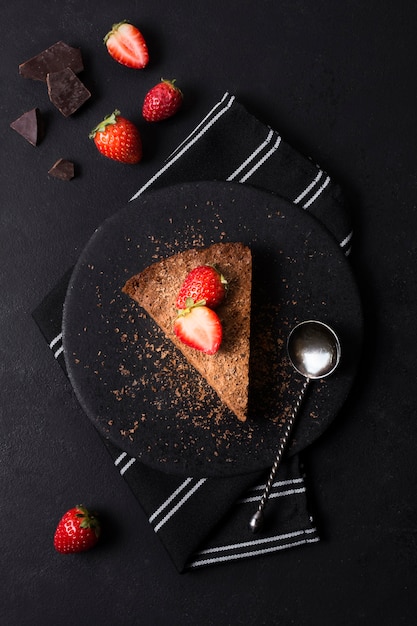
<point x="313" y="349"/>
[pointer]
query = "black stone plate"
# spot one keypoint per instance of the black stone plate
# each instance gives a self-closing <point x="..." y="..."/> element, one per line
<point x="126" y="375"/>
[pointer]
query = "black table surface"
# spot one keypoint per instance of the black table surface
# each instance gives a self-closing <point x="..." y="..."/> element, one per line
<point x="338" y="80"/>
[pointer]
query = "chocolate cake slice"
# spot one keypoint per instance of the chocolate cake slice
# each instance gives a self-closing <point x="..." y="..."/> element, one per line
<point x="155" y="290"/>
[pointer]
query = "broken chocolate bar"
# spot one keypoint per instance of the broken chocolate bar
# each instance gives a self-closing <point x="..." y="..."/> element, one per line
<point x="57" y="57"/>
<point x="31" y="126"/>
<point x="66" y="91"/>
<point x="62" y="169"/>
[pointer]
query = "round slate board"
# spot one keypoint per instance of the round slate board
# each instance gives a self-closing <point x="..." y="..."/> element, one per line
<point x="126" y="375"/>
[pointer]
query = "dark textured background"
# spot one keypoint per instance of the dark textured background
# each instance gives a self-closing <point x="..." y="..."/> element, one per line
<point x="338" y="80"/>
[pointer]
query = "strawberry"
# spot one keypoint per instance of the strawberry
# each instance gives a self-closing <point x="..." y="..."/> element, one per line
<point x="118" y="139"/>
<point x="204" y="282"/>
<point x="199" y="327"/>
<point x="77" y="531"/>
<point x="162" y="101"/>
<point x="125" y="43"/>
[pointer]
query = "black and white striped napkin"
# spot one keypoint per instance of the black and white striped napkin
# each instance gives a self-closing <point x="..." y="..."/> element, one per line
<point x="204" y="521"/>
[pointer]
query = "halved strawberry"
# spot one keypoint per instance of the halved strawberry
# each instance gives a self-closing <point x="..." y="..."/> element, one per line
<point x="127" y="45"/>
<point x="199" y="327"/>
<point x="204" y="282"/>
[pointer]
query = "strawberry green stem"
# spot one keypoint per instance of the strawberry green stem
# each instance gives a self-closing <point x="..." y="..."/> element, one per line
<point x="172" y="84"/>
<point x="108" y="121"/>
<point x="190" y="304"/>
<point x="87" y="519"/>
<point x="114" y="28"/>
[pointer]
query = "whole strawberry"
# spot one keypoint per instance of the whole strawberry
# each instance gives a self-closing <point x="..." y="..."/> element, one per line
<point x="78" y="531"/>
<point x="117" y="138"/>
<point x="162" y="101"/>
<point x="203" y="283"/>
<point x="126" y="44"/>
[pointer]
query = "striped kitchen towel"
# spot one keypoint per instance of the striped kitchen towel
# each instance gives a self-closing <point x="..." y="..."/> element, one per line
<point x="230" y="144"/>
<point x="205" y="521"/>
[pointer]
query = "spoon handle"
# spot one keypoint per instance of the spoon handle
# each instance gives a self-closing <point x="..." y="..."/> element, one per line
<point x="257" y="519"/>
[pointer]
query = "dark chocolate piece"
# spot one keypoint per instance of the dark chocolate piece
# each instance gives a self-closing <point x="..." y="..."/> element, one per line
<point x="66" y="91"/>
<point x="57" y="57"/>
<point x="31" y="126"/>
<point x="62" y="169"/>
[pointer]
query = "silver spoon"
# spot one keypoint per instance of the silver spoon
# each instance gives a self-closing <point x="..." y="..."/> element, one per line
<point x="314" y="351"/>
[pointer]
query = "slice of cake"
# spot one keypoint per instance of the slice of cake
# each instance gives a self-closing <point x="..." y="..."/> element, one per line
<point x="155" y="289"/>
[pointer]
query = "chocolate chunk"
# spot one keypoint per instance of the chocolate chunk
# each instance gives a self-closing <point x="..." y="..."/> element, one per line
<point x="66" y="91"/>
<point x="31" y="126"/>
<point x="62" y="169"/>
<point x="57" y="57"/>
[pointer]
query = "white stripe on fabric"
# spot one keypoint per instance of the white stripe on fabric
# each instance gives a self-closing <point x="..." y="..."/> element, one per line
<point x="261" y="161"/>
<point x="212" y="121"/>
<point x="170" y="499"/>
<point x="346" y="239"/>
<point x="243" y="555"/>
<point x="252" y="156"/>
<point x="120" y="458"/>
<point x="179" y="505"/>
<point x="344" y="243"/>
<point x="129" y="463"/>
<point x="126" y="467"/>
<point x="309" y="187"/>
<point x="256" y="542"/>
<point x="206" y="117"/>
<point x="55" y="340"/>
<point x="279" y="483"/>
<point x="255" y="552"/>
<point x="275" y="494"/>
<point x="58" y="352"/>
<point x="53" y="343"/>
<point x="318" y="192"/>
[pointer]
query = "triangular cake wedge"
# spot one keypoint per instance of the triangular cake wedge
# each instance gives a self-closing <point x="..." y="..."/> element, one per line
<point x="155" y="290"/>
